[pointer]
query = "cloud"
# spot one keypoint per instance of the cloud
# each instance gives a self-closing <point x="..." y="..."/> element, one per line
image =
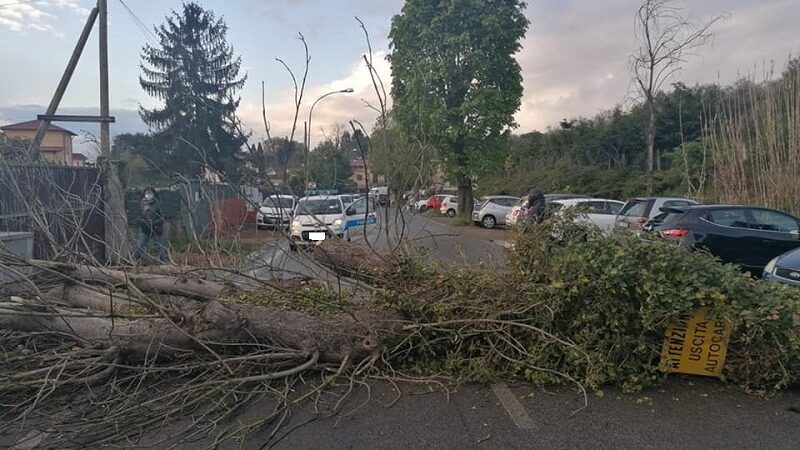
<point x="332" y="112"/>
<point x="36" y="16"/>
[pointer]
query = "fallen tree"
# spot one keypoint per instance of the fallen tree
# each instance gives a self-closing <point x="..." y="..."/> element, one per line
<point x="575" y="309"/>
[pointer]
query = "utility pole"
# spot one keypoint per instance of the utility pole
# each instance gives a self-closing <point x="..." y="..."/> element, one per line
<point x="116" y="223"/>
<point x="116" y="226"/>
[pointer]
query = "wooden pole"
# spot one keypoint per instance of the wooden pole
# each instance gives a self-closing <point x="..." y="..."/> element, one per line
<point x="105" y="137"/>
<point x="116" y="226"/>
<point x="33" y="150"/>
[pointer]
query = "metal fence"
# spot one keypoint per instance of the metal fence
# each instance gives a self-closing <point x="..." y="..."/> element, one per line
<point x="62" y="206"/>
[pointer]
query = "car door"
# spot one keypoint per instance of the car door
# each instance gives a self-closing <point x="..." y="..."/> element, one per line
<point x="776" y="232"/>
<point x="726" y="234"/>
<point x="362" y="216"/>
<point x="504" y="205"/>
<point x="601" y="215"/>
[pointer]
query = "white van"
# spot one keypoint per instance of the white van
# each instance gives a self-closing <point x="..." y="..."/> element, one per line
<point x="381" y="194"/>
<point x="324" y="216"/>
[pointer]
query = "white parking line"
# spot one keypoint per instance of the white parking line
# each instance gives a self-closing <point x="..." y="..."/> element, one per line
<point x="513" y="407"/>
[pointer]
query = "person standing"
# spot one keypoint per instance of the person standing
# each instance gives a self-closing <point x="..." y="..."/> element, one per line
<point x="536" y="206"/>
<point x="151" y="226"/>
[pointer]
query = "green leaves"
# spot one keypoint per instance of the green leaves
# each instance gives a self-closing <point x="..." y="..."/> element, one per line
<point x="455" y="82"/>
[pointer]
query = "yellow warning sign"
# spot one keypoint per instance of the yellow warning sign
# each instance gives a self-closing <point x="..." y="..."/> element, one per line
<point x="696" y="347"/>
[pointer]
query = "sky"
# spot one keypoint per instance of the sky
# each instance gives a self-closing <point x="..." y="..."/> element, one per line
<point x="574" y="58"/>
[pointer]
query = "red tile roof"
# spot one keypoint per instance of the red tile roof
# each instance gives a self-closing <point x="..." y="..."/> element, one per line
<point x="32" y="125"/>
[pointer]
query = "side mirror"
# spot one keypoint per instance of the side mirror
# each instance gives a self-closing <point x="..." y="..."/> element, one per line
<point x="350" y="211"/>
<point x="795" y="234"/>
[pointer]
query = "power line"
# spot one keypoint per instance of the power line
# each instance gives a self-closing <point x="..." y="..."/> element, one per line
<point x="140" y="24"/>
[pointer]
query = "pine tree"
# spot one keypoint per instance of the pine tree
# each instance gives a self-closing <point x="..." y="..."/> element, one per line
<point x="194" y="72"/>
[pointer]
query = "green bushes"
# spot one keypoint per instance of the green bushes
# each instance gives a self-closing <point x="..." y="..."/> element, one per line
<point x="590" y="309"/>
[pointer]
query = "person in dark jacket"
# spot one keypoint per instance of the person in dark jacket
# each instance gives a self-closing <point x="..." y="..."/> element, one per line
<point x="536" y="206"/>
<point x="151" y="226"/>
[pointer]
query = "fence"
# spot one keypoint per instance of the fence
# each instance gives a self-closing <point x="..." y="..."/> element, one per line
<point x="61" y="206"/>
<point x="194" y="209"/>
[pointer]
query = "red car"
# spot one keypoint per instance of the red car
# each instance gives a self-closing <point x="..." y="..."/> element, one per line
<point x="435" y="201"/>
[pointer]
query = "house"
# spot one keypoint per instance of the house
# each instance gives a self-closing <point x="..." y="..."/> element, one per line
<point x="361" y="179"/>
<point x="78" y="160"/>
<point x="57" y="143"/>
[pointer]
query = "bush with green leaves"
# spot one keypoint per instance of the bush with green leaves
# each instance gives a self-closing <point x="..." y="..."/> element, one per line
<point x="573" y="306"/>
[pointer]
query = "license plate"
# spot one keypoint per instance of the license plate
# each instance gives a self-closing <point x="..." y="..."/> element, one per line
<point x="624" y="225"/>
<point x="316" y="236"/>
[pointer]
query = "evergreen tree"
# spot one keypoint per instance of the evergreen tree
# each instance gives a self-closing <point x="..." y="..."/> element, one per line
<point x="194" y="72"/>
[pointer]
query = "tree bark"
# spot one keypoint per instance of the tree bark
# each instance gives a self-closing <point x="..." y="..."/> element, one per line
<point x="465" y="199"/>
<point x="212" y="323"/>
<point x="159" y="284"/>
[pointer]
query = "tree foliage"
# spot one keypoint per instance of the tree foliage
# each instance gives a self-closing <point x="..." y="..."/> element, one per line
<point x="328" y="168"/>
<point x="455" y="82"/>
<point x="194" y="71"/>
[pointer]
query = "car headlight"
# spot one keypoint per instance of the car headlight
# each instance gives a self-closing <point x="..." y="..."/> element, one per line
<point x="337" y="223"/>
<point x="296" y="225"/>
<point x="770" y="268"/>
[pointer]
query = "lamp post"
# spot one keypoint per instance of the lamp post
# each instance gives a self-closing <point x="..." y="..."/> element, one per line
<point x="311" y="111"/>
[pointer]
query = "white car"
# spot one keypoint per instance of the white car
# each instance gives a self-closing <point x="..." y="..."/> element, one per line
<point x="275" y="211"/>
<point x="449" y="206"/>
<point x="601" y="212"/>
<point x="493" y="210"/>
<point x="323" y="216"/>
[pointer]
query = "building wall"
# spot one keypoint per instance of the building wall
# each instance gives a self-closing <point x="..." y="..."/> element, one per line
<point x="51" y="139"/>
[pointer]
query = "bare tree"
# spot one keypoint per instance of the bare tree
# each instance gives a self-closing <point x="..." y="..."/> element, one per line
<point x="665" y="37"/>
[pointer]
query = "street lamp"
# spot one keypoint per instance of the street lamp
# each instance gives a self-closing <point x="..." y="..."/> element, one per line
<point x="311" y="111"/>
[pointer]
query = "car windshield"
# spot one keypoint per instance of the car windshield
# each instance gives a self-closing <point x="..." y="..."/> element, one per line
<point x="665" y="217"/>
<point x="635" y="208"/>
<point x="315" y="207"/>
<point x="279" y="202"/>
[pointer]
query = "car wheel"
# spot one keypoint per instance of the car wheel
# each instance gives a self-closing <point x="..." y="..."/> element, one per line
<point x="292" y="247"/>
<point x="488" y="221"/>
<point x="451" y="212"/>
<point x="423" y="208"/>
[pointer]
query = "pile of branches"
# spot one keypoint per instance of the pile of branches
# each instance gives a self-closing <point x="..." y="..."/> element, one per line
<point x="174" y="345"/>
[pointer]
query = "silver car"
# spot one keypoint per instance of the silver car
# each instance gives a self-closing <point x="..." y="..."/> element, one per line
<point x="493" y="210"/>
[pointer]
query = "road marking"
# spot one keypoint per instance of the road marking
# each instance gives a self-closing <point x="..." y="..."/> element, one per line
<point x="513" y="407"/>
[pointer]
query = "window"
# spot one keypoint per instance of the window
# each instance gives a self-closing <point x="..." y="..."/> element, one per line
<point x="279" y="202"/>
<point x="596" y="207"/>
<point x="615" y="207"/>
<point x="676" y="203"/>
<point x="766" y="220"/>
<point x="319" y="207"/>
<point x="359" y="177"/>
<point x="729" y="217"/>
<point x="359" y="207"/>
<point x="637" y="208"/>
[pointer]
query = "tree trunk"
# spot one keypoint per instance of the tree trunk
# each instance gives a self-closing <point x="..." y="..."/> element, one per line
<point x="650" y="139"/>
<point x="465" y="200"/>
<point x="193" y="326"/>
<point x="159" y="284"/>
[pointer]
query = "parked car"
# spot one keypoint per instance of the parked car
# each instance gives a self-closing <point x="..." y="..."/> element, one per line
<point x="600" y="212"/>
<point x="637" y="211"/>
<point x="434" y="202"/>
<point x="275" y="211"/>
<point x="784" y="268"/>
<point x="748" y="236"/>
<point x="321" y="216"/>
<point x="512" y="218"/>
<point x="493" y="209"/>
<point x="449" y="206"/>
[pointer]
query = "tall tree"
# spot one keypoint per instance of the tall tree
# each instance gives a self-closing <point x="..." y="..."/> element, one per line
<point x="328" y="167"/>
<point x="193" y="70"/>
<point x="455" y="82"/>
<point x="665" y="36"/>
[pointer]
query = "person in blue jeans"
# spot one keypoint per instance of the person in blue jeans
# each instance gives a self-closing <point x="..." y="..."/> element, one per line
<point x="151" y="226"/>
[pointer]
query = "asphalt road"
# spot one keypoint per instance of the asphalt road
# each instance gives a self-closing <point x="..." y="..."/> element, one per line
<point x="432" y="238"/>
